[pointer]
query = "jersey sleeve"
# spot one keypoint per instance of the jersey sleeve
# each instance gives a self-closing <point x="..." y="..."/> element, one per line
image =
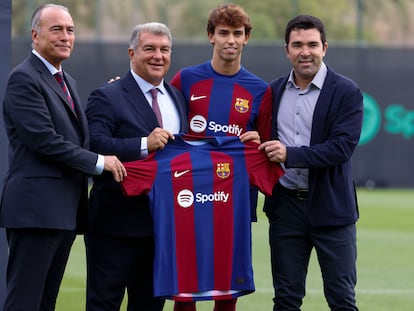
<point x="176" y="81"/>
<point x="140" y="176"/>
<point x="262" y="172"/>
<point x="264" y="120"/>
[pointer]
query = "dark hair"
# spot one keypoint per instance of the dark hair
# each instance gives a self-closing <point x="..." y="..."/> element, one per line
<point x="229" y="14"/>
<point x="305" y="22"/>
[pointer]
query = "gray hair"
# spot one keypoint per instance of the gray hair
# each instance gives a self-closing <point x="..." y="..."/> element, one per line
<point x="158" y="29"/>
<point x="36" y="15"/>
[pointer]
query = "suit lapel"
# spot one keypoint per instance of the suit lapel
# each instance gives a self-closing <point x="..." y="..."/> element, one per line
<point x="81" y="127"/>
<point x="277" y="91"/>
<point x="138" y="102"/>
<point x="322" y="108"/>
<point x="79" y="111"/>
<point x="71" y="85"/>
<point x="53" y="84"/>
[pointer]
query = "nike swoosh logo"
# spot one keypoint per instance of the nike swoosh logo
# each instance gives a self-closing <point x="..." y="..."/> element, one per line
<point x="193" y="97"/>
<point x="179" y="174"/>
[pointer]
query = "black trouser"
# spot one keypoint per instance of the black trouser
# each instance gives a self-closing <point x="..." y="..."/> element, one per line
<point x="37" y="261"/>
<point x="292" y="240"/>
<point x="116" y="264"/>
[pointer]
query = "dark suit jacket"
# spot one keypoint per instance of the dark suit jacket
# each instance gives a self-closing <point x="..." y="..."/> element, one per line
<point x="336" y="127"/>
<point x="46" y="184"/>
<point x="119" y="115"/>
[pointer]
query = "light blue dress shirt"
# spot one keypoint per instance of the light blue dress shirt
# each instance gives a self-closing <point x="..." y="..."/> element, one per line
<point x="294" y="121"/>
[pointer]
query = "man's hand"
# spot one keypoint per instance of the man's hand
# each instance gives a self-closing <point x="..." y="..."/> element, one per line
<point x="157" y="139"/>
<point x="113" y="165"/>
<point x="275" y="150"/>
<point x="250" y="136"/>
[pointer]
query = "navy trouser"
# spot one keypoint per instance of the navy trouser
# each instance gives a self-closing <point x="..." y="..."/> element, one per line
<point x="116" y="264"/>
<point x="291" y="241"/>
<point x="36" y="265"/>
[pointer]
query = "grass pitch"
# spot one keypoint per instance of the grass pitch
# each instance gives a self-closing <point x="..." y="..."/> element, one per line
<point x="385" y="261"/>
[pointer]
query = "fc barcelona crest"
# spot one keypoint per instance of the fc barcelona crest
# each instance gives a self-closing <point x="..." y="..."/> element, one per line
<point x="223" y="170"/>
<point x="241" y="105"/>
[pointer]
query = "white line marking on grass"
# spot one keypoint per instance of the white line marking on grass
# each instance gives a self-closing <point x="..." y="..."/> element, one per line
<point x="378" y="291"/>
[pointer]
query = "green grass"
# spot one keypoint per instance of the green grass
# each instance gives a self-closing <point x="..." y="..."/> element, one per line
<point x="385" y="261"/>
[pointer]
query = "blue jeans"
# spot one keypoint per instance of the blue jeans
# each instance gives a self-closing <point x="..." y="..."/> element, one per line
<point x="292" y="239"/>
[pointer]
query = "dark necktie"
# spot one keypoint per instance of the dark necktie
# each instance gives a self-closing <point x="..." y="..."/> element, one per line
<point x="155" y="106"/>
<point x="59" y="78"/>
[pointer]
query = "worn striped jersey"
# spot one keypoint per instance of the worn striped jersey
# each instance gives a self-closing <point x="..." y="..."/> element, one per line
<point x="226" y="105"/>
<point x="223" y="105"/>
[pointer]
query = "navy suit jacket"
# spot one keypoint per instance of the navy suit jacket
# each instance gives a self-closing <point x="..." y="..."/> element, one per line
<point x="336" y="128"/>
<point x="119" y="116"/>
<point x="46" y="184"/>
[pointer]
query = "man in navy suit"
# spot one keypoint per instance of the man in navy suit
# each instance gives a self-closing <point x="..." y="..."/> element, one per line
<point x="44" y="197"/>
<point x="120" y="247"/>
<point x="317" y="121"/>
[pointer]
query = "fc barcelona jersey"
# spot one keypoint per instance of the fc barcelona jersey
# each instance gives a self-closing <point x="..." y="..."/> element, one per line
<point x="225" y="105"/>
<point x="199" y="198"/>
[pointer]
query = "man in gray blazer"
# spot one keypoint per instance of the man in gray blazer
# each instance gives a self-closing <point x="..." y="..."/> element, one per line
<point x="44" y="199"/>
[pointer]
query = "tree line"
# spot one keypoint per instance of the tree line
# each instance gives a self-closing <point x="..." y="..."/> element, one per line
<point x="378" y="22"/>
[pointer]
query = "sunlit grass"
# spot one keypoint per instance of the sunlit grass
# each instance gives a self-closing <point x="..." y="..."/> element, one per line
<point x="385" y="261"/>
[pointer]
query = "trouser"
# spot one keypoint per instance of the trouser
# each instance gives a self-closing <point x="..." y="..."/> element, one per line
<point x="292" y="239"/>
<point x="116" y="264"/>
<point x="37" y="262"/>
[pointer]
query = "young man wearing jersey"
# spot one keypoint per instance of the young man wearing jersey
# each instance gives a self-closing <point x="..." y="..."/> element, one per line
<point x="224" y="98"/>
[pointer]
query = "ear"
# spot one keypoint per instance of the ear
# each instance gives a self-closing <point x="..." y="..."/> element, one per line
<point x="131" y="53"/>
<point x="246" y="39"/>
<point x="211" y="37"/>
<point x="34" y="35"/>
<point x="325" y="46"/>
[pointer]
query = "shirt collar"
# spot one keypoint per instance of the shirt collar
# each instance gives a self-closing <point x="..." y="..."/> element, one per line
<point x="145" y="86"/>
<point x="317" y="80"/>
<point x="49" y="66"/>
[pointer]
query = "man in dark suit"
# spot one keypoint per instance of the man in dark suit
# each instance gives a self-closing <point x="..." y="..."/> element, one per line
<point x="317" y="121"/>
<point x="123" y="121"/>
<point x="44" y="197"/>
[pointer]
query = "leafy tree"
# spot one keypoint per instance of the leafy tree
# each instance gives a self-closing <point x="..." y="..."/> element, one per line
<point x="382" y="21"/>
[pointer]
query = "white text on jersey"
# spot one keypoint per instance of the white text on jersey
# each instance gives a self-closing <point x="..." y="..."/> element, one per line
<point x="218" y="196"/>
<point x="227" y="128"/>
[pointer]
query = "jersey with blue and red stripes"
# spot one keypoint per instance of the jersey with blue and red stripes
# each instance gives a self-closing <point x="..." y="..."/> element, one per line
<point x="225" y="105"/>
<point x="199" y="198"/>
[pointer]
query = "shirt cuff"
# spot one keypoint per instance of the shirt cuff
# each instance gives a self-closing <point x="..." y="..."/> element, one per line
<point x="100" y="164"/>
<point x="144" y="147"/>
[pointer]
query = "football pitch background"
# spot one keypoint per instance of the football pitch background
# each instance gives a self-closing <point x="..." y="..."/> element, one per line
<point x="385" y="261"/>
<point x="386" y="228"/>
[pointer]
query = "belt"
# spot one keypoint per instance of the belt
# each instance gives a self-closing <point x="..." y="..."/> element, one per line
<point x="300" y="194"/>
